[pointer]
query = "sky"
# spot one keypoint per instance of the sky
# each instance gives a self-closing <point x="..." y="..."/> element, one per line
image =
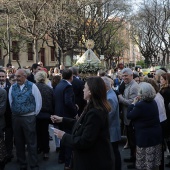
<point x="136" y="3"/>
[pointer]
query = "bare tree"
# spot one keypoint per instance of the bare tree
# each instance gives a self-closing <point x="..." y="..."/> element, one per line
<point x="150" y="30"/>
<point x="28" y="20"/>
<point x="74" y="22"/>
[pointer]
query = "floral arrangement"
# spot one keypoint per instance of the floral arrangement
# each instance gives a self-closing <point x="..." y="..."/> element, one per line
<point x="89" y="68"/>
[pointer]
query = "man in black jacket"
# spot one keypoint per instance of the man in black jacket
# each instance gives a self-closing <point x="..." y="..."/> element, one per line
<point x="35" y="68"/>
<point x="78" y="86"/>
<point x="65" y="107"/>
<point x="5" y="84"/>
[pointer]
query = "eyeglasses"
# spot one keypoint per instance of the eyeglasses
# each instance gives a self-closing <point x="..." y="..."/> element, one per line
<point x="18" y="76"/>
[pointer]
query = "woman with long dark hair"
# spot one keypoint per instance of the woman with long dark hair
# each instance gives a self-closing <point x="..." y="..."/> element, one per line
<point x="90" y="136"/>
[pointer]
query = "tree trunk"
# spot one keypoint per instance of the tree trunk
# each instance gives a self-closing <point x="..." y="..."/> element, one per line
<point x="19" y="65"/>
<point x="35" y="50"/>
<point x="167" y="56"/>
<point x="59" y="56"/>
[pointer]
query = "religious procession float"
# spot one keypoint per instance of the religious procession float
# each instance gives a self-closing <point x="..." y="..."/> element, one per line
<point x="89" y="64"/>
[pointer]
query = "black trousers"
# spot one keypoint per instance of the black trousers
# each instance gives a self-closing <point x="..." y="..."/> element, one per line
<point x="131" y="141"/>
<point x="118" y="164"/>
<point x="42" y="135"/>
<point x="25" y="133"/>
<point x="9" y="140"/>
<point x="65" y="153"/>
<point x="2" y="166"/>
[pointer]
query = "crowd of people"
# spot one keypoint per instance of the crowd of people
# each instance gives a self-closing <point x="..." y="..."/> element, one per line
<point x="89" y="117"/>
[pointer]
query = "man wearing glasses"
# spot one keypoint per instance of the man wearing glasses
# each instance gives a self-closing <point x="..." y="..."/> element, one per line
<point x="25" y="101"/>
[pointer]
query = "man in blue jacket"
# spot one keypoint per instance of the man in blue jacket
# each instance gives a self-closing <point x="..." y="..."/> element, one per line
<point x="65" y="107"/>
<point x="114" y="123"/>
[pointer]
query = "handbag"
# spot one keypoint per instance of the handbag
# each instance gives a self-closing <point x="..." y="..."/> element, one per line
<point x="3" y="151"/>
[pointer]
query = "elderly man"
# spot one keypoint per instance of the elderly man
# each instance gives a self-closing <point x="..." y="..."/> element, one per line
<point x="25" y="101"/>
<point x="130" y="92"/>
<point x="114" y="123"/>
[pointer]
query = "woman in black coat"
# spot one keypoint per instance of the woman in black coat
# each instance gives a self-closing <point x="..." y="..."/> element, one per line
<point x="90" y="135"/>
<point x="43" y="118"/>
<point x="148" y="133"/>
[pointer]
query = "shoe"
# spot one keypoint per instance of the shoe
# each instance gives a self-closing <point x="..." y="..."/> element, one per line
<point x="126" y="147"/>
<point x="167" y="165"/>
<point x="9" y="158"/>
<point x="45" y="157"/>
<point x="61" y="161"/>
<point x="131" y="159"/>
<point x="57" y="149"/>
<point x="39" y="151"/>
<point x="24" y="168"/>
<point x="36" y="167"/>
<point x="132" y="166"/>
<point x="67" y="168"/>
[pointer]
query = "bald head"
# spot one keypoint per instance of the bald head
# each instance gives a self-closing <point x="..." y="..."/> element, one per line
<point x="21" y="76"/>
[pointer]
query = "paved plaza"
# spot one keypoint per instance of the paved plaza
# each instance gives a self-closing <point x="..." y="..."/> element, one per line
<point x="52" y="163"/>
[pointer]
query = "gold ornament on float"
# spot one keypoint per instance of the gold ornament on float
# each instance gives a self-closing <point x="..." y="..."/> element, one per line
<point x="89" y="44"/>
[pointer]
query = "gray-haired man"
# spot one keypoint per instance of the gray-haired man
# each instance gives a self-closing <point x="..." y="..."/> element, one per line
<point x="130" y="92"/>
<point x="25" y="101"/>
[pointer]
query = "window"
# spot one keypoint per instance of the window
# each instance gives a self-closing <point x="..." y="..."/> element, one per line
<point x="30" y="51"/>
<point x="15" y="50"/>
<point x="52" y="53"/>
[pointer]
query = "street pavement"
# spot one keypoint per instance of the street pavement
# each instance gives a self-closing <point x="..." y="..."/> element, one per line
<point x="52" y="164"/>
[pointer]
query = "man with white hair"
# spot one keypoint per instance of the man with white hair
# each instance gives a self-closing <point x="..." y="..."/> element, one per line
<point x="114" y="123"/>
<point x="25" y="101"/>
<point x="130" y="92"/>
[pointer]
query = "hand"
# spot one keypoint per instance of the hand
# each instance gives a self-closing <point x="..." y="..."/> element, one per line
<point x="136" y="100"/>
<point x="77" y="107"/>
<point x="59" y="133"/>
<point x="56" y="119"/>
<point x="120" y="95"/>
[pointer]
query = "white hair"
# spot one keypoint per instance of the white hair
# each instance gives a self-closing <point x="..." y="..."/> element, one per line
<point x="159" y="72"/>
<point x="41" y="77"/>
<point x="146" y="91"/>
<point x="28" y="71"/>
<point x="128" y="71"/>
<point x="107" y="81"/>
<point x="24" y="72"/>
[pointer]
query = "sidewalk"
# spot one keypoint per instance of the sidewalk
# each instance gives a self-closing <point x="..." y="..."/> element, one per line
<point x="52" y="163"/>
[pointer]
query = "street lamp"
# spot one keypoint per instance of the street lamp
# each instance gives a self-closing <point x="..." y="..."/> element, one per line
<point x="8" y="33"/>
